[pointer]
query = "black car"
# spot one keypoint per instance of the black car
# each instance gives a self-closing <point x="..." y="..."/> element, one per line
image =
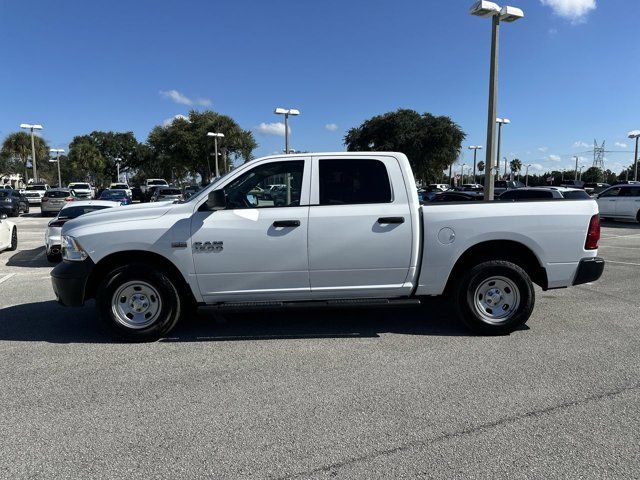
<point x="457" y="196"/>
<point x="13" y="203"/>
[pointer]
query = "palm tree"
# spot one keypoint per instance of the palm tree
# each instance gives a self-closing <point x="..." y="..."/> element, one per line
<point x="516" y="166"/>
<point x="17" y="145"/>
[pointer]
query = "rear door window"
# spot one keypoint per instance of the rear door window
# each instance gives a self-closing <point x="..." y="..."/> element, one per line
<point x="356" y="181"/>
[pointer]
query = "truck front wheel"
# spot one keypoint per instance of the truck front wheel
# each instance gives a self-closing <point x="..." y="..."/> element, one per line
<point x="494" y="297"/>
<point x="139" y="303"/>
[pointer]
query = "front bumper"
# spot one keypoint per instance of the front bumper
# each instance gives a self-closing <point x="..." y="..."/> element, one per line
<point x="589" y="270"/>
<point x="69" y="280"/>
<point x="7" y="208"/>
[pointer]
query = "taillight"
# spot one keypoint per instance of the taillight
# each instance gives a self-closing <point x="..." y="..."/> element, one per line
<point x="68" y="199"/>
<point x="45" y="199"/>
<point x="57" y="223"/>
<point x="593" y="234"/>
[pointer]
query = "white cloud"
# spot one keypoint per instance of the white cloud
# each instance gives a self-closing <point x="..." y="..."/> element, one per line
<point x="543" y="149"/>
<point x="275" y="128"/>
<point x="169" y="121"/>
<point x="178" y="97"/>
<point x="554" y="158"/>
<point x="332" y="127"/>
<point x="621" y="145"/>
<point x="575" y="11"/>
<point x="581" y="144"/>
<point x="536" y="167"/>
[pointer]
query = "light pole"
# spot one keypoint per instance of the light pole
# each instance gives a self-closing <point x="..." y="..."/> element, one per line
<point x="486" y="9"/>
<point x="215" y="136"/>
<point x="577" y="158"/>
<point x="475" y="149"/>
<point x="28" y="126"/>
<point x="526" y="176"/>
<point x="118" y="160"/>
<point x="580" y="176"/>
<point x="500" y="122"/>
<point x="635" y="134"/>
<point x="462" y="173"/>
<point x="58" y="151"/>
<point x="286" y="112"/>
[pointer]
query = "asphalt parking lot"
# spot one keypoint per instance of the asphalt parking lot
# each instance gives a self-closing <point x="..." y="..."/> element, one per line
<point x="369" y="393"/>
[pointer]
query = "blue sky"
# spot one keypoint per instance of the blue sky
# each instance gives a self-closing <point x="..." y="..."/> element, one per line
<point x="569" y="73"/>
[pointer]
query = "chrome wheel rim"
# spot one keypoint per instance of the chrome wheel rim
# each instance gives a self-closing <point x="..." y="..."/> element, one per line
<point x="136" y="304"/>
<point x="496" y="299"/>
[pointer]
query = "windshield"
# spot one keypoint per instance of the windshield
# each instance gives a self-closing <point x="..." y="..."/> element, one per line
<point x="57" y="194"/>
<point x="113" y="194"/>
<point x="576" y="195"/>
<point x="81" y="186"/>
<point x="36" y="187"/>
<point x="73" y="211"/>
<point x="156" y="182"/>
<point x="169" y="191"/>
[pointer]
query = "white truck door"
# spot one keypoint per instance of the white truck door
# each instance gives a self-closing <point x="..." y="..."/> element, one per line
<point x="607" y="202"/>
<point x="360" y="229"/>
<point x="256" y="249"/>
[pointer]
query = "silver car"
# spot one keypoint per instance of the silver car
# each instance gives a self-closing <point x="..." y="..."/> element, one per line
<point x="55" y="199"/>
<point x="72" y="210"/>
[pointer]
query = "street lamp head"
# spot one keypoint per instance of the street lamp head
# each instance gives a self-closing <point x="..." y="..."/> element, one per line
<point x="475" y="147"/>
<point x="503" y="120"/>
<point x="634" y="134"/>
<point x="294" y="111"/>
<point x="31" y="127"/>
<point x="281" y="111"/>
<point x="56" y="150"/>
<point x="214" y="134"/>
<point x="511" y="14"/>
<point x="484" y="9"/>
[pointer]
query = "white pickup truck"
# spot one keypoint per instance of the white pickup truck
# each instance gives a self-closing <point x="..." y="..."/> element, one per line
<point x="348" y="231"/>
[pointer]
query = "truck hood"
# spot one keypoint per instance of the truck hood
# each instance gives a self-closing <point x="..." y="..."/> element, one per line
<point x="130" y="213"/>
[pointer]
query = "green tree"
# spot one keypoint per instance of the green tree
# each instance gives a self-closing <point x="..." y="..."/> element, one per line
<point x="592" y="174"/>
<point x="85" y="162"/>
<point x="431" y="143"/>
<point x="515" y="165"/>
<point x="480" y="166"/>
<point x="16" y="149"/>
<point x="182" y="147"/>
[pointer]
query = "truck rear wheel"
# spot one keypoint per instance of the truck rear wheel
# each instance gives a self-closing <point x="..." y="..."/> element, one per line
<point x="139" y="303"/>
<point x="494" y="297"/>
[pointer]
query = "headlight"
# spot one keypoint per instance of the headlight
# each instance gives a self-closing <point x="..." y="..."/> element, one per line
<point x="8" y="200"/>
<point x="72" y="250"/>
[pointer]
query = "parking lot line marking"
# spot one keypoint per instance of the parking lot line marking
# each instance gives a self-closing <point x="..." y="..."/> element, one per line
<point x="624" y="263"/>
<point x="620" y="236"/>
<point x="6" y="277"/>
<point x="615" y="246"/>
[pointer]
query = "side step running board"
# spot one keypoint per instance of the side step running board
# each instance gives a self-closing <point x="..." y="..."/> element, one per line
<point x="345" y="302"/>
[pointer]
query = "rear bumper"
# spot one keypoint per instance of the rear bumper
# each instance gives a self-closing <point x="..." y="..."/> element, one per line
<point x="69" y="280"/>
<point x="589" y="270"/>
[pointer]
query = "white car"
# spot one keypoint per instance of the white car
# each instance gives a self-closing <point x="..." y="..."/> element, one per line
<point x="443" y="187"/>
<point x="8" y="234"/>
<point x="620" y="202"/>
<point x="122" y="186"/>
<point x="82" y="190"/>
<point x="34" y="193"/>
<point x="69" y="212"/>
<point x="349" y="231"/>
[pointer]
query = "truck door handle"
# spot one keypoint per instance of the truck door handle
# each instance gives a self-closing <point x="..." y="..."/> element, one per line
<point x="286" y="223"/>
<point x="391" y="220"/>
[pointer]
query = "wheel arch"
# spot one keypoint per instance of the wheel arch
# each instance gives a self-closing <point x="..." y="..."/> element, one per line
<point x="508" y="250"/>
<point x="117" y="259"/>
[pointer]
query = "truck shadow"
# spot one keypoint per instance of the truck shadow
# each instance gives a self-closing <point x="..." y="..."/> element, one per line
<point x="50" y="322"/>
<point x="623" y="224"/>
<point x="34" y="258"/>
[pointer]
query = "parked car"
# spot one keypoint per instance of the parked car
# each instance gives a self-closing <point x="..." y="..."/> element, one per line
<point x="54" y="199"/>
<point x="189" y="190"/>
<point x="146" y="187"/>
<point x="456" y="196"/>
<point x="13" y="203"/>
<point x="164" y="194"/>
<point x="136" y="194"/>
<point x="356" y="236"/>
<point x="34" y="193"/>
<point x="472" y="187"/>
<point x="620" y="202"/>
<point x="118" y="196"/>
<point x="572" y="184"/>
<point x="593" y="188"/>
<point x="501" y="186"/>
<point x="544" y="193"/>
<point x="122" y="186"/>
<point x="82" y="190"/>
<point x="69" y="212"/>
<point x="442" y="187"/>
<point x="8" y="234"/>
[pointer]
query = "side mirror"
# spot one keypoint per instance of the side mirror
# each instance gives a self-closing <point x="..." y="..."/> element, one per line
<point x="217" y="200"/>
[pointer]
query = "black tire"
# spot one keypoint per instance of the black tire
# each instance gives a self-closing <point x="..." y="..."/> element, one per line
<point x="26" y="209"/>
<point x="14" y="240"/>
<point x="170" y="305"/>
<point x="638" y="216"/>
<point x="483" y="320"/>
<point x="54" y="257"/>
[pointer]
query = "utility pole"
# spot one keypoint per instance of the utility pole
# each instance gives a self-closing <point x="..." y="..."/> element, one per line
<point x="576" y="157"/>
